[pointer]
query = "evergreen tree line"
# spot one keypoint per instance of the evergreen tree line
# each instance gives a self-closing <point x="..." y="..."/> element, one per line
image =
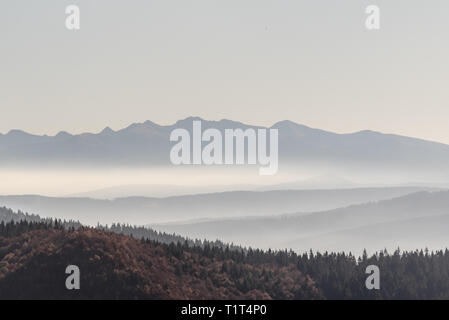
<point x="419" y="274"/>
<point x="138" y="232"/>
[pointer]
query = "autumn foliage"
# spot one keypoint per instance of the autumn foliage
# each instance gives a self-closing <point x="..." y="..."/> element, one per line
<point x="114" y="266"/>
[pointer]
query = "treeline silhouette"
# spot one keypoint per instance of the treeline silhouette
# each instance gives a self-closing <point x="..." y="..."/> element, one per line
<point x="8" y="215"/>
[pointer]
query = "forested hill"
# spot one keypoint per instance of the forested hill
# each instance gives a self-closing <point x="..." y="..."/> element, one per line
<point x="34" y="255"/>
<point x="138" y="232"/>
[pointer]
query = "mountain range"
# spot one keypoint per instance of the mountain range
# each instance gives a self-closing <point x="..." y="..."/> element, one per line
<point x="147" y="144"/>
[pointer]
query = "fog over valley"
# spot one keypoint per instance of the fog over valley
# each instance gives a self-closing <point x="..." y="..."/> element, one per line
<point x="332" y="191"/>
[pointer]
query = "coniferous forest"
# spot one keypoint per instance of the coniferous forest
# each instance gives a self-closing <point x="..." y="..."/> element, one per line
<point x="115" y="264"/>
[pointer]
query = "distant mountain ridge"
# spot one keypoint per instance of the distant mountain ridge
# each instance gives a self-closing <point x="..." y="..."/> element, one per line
<point x="231" y="204"/>
<point x="147" y="144"/>
<point x="414" y="220"/>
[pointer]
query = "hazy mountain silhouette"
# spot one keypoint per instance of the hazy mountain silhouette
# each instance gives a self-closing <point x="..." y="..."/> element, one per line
<point x="165" y="190"/>
<point x="411" y="221"/>
<point x="147" y="144"/>
<point x="143" y="210"/>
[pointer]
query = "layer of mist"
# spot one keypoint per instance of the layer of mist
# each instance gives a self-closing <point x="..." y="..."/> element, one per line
<point x="235" y="204"/>
<point x="417" y="220"/>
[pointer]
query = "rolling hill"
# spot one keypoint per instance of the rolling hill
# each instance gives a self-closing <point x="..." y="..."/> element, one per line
<point x="143" y="210"/>
<point x="112" y="266"/>
<point x="410" y="221"/>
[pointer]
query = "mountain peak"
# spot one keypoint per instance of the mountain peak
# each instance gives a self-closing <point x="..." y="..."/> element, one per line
<point x="367" y="132"/>
<point x="140" y="126"/>
<point x="62" y="134"/>
<point x="296" y="128"/>
<point x="189" y="120"/>
<point x="289" y="124"/>
<point x="149" y="123"/>
<point x="107" y="131"/>
<point x="16" y="132"/>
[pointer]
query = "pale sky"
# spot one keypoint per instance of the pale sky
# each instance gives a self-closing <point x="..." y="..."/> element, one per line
<point x="255" y="61"/>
